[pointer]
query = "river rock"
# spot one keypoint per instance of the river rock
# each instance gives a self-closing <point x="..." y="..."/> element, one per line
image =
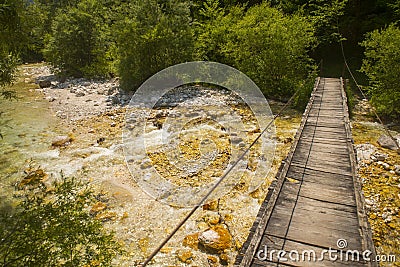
<point x="384" y="165"/>
<point x="386" y="142"/>
<point x="215" y="239"/>
<point x="364" y="151"/>
<point x="61" y="140"/>
<point x="44" y="83"/>
<point x="79" y="94"/>
<point x="397" y="169"/>
<point x="380" y="156"/>
<point x="184" y="256"/>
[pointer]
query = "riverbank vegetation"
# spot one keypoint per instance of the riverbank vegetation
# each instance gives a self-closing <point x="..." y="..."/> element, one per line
<point x="276" y="43"/>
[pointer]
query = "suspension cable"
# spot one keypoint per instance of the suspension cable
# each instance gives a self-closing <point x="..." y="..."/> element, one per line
<point x="362" y="92"/>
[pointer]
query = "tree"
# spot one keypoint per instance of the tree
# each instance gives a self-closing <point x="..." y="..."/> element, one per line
<point x="212" y="28"/>
<point x="382" y="66"/>
<point x="271" y="48"/>
<point x="323" y="13"/>
<point x="12" y="39"/>
<point x="51" y="226"/>
<point x="155" y="35"/>
<point x="79" y="42"/>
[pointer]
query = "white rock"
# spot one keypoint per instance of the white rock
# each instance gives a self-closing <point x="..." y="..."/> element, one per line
<point x="209" y="236"/>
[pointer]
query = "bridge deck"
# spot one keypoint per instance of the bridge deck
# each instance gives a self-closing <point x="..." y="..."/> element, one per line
<point x="316" y="199"/>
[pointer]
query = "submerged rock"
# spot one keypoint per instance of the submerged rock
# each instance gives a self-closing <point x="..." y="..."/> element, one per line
<point x="62" y="140"/>
<point x="44" y="83"/>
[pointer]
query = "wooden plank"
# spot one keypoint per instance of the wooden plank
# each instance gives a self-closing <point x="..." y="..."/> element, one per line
<point x="323" y="140"/>
<point x="308" y="255"/>
<point x="342" y="170"/>
<point x="297" y="168"/>
<point x="323" y="179"/>
<point x="317" y="149"/>
<point x="319" y="235"/>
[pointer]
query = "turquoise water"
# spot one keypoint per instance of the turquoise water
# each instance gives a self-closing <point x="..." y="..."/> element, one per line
<point x="27" y="126"/>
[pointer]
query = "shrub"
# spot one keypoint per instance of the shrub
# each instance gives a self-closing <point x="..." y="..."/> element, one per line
<point x="78" y="44"/>
<point x="382" y="66"/>
<point x="51" y="226"/>
<point x="157" y="34"/>
<point x="271" y="48"/>
<point x="12" y="38"/>
<point x="262" y="42"/>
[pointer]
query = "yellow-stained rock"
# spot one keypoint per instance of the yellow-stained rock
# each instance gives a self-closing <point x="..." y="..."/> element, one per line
<point x="33" y="177"/>
<point x="99" y="206"/>
<point x="213" y="219"/>
<point x="184" y="256"/>
<point x="202" y="225"/>
<point x="143" y="244"/>
<point x="106" y="216"/>
<point x="212" y="260"/>
<point x="216" y="239"/>
<point x="228" y="217"/>
<point x="191" y="241"/>
<point x="213" y="206"/>
<point x="166" y="250"/>
<point x="125" y="215"/>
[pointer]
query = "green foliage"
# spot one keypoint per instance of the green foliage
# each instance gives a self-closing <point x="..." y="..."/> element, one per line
<point x="382" y="66"/>
<point x="271" y="48"/>
<point x="51" y="226"/>
<point x="155" y="35"/>
<point x="324" y="14"/>
<point x="8" y="67"/>
<point x="268" y="46"/>
<point x="12" y="38"/>
<point x="212" y="30"/>
<point x="79" y="41"/>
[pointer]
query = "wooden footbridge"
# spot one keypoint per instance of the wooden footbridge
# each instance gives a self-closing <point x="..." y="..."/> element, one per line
<point x="314" y="212"/>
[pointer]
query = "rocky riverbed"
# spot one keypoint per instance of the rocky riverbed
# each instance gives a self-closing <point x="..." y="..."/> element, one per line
<point x="82" y="138"/>
<point x="379" y="171"/>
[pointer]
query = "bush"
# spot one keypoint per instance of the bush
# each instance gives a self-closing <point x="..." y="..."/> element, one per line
<point x="51" y="226"/>
<point x="212" y="30"/>
<point x="268" y="46"/>
<point x="382" y="66"/>
<point x="8" y="67"/>
<point x="157" y="35"/>
<point x="79" y="42"/>
<point x="271" y="48"/>
<point x="12" y="38"/>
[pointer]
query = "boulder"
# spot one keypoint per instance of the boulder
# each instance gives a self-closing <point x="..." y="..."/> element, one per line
<point x="61" y="140"/>
<point x="215" y="239"/>
<point x="386" y="142"/>
<point x="44" y="83"/>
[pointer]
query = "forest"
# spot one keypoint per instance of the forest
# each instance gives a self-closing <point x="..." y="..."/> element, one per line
<point x="280" y="44"/>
